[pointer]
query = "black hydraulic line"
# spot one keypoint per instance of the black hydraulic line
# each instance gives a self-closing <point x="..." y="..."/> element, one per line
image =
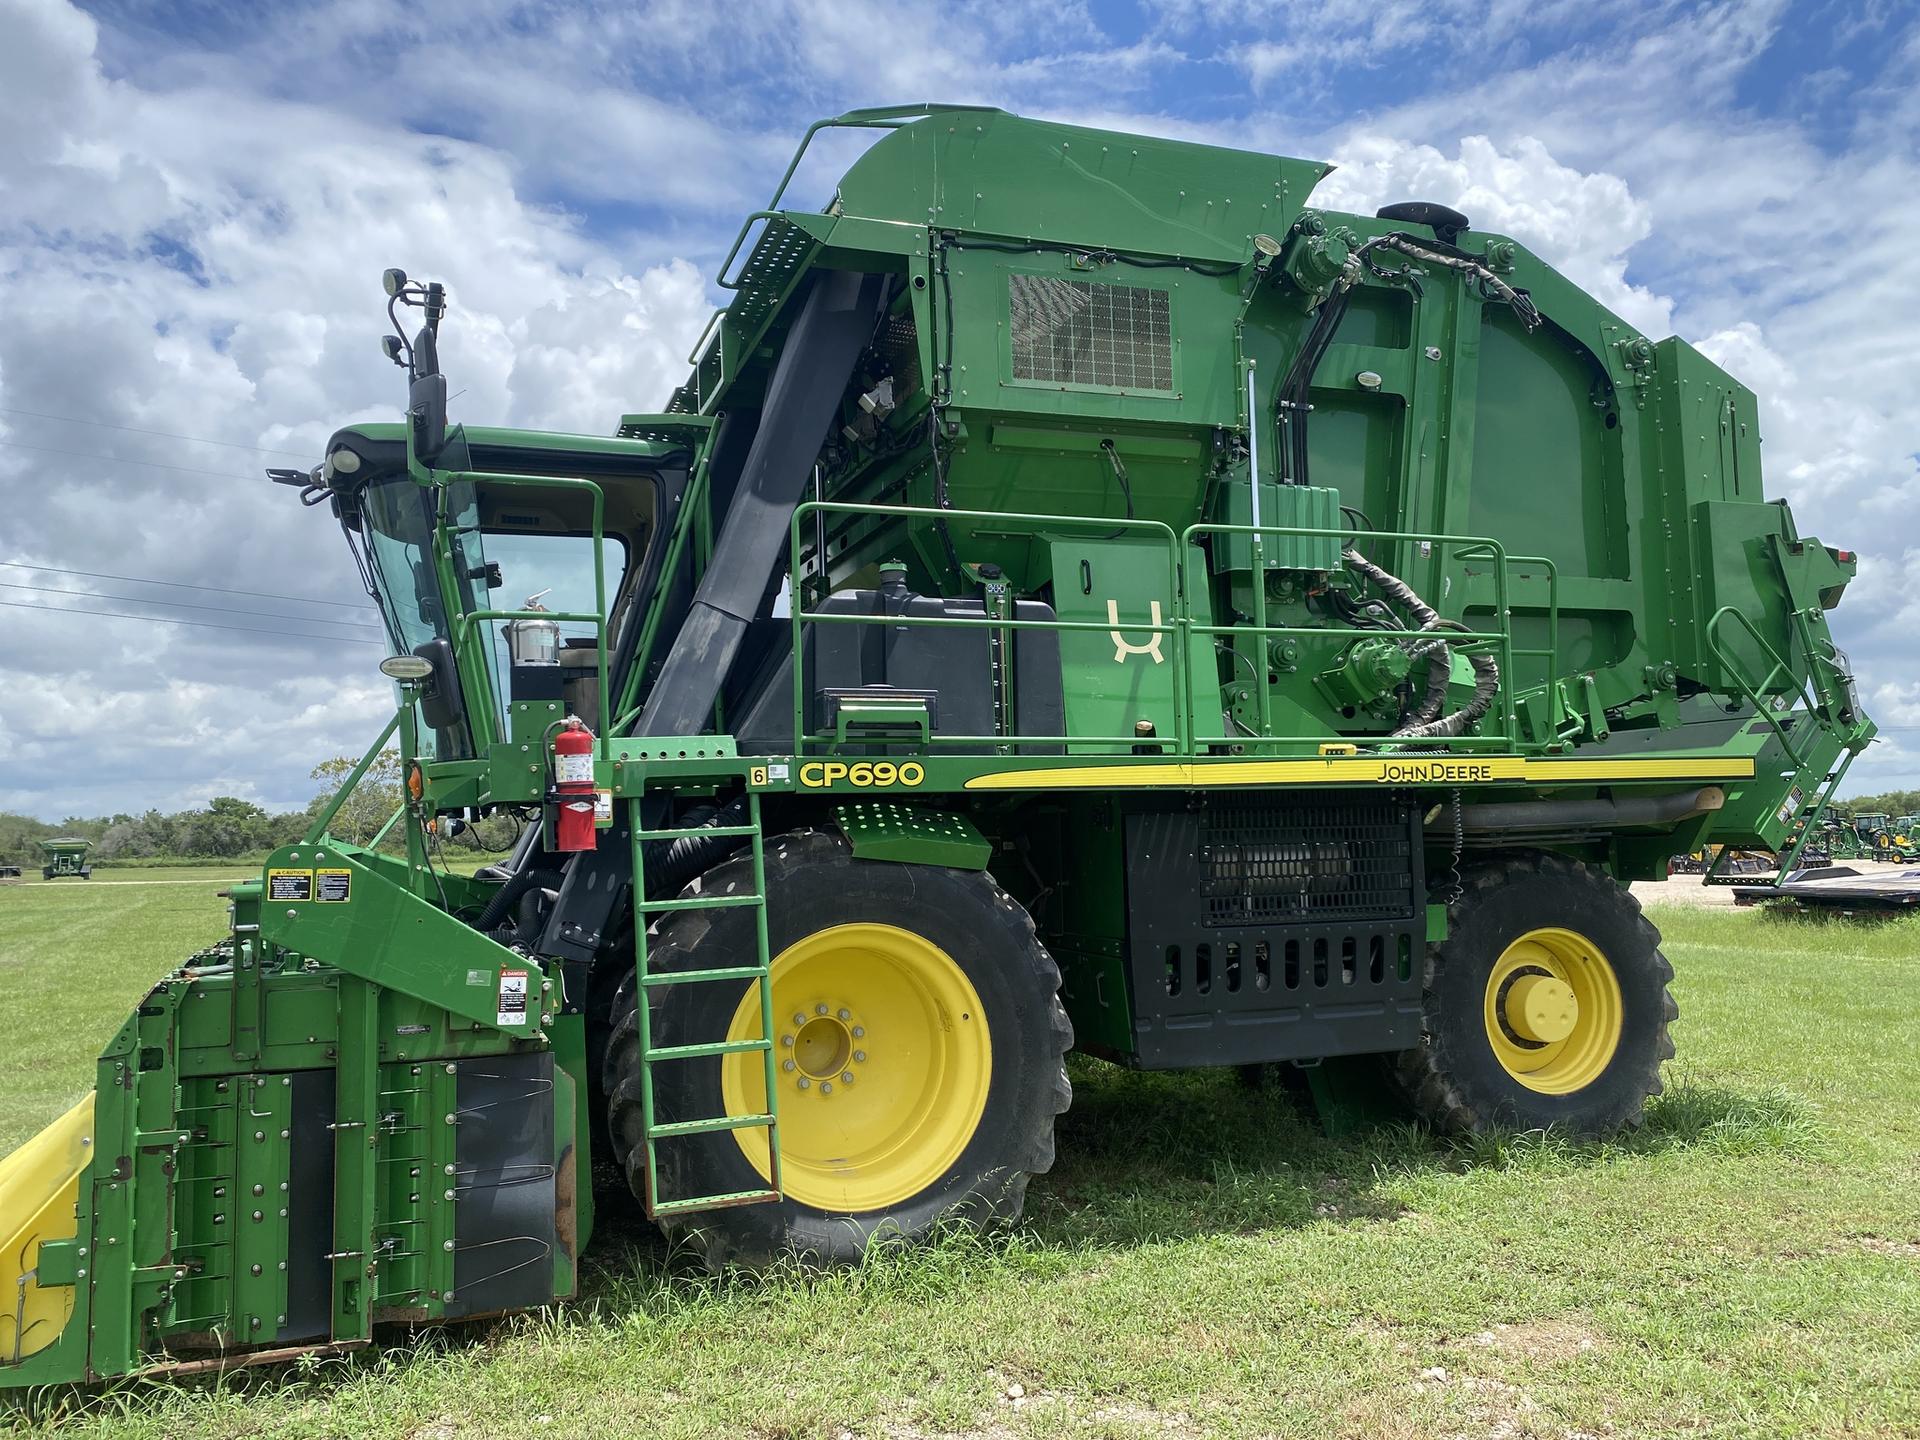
<point x="835" y="321"/>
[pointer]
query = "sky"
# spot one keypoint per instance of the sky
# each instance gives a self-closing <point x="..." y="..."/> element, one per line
<point x="196" y="203"/>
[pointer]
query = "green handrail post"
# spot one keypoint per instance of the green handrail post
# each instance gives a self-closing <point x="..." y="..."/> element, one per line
<point x="317" y="831"/>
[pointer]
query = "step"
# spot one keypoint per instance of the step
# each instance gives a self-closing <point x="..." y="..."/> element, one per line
<point x="676" y="977"/>
<point x="708" y="1127"/>
<point x="715" y="1202"/>
<point x="700" y="902"/>
<point x="718" y="1047"/>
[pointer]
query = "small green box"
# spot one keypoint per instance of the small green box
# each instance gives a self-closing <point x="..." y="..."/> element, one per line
<point x="1312" y="507"/>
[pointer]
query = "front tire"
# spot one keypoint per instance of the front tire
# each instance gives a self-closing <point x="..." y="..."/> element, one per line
<point x="927" y="986"/>
<point x="1545" y="1007"/>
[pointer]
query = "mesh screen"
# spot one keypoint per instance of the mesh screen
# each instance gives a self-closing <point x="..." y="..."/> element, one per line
<point x="1337" y="861"/>
<point x="1077" y="332"/>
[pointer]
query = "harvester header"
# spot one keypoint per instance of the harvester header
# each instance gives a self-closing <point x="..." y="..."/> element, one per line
<point x="1084" y="595"/>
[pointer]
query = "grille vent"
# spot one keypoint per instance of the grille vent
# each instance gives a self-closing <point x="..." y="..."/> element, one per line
<point x="1344" y="860"/>
<point x="1079" y="332"/>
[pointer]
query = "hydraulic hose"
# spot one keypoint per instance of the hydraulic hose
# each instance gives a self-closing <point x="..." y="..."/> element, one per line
<point x="1426" y="719"/>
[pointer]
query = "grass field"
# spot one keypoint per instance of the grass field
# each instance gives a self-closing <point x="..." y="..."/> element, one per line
<point x="1203" y="1260"/>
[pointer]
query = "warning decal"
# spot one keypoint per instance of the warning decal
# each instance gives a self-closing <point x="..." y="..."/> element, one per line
<point x="290" y="885"/>
<point x="333" y="885"/>
<point x="513" y="998"/>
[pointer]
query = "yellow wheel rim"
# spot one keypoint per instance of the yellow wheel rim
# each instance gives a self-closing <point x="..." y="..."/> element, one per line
<point x="882" y="1058"/>
<point x="1553" y="1011"/>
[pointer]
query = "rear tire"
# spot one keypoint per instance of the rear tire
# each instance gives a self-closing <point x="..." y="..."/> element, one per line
<point x="1545" y="1006"/>
<point x="928" y="985"/>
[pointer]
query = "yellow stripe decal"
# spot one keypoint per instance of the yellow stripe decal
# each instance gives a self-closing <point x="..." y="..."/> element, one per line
<point x="1409" y="770"/>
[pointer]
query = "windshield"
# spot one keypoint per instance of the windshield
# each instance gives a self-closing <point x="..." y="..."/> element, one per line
<point x="399" y="529"/>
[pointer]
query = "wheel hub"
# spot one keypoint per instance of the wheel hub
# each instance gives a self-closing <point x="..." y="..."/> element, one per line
<point x="823" y="1048"/>
<point x="1542" y="1008"/>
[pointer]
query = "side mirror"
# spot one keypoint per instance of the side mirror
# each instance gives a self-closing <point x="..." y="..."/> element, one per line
<point x="440" y="703"/>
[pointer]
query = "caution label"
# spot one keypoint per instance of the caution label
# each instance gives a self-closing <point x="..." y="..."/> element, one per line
<point x="333" y="886"/>
<point x="290" y="885"/>
<point x="513" y="998"/>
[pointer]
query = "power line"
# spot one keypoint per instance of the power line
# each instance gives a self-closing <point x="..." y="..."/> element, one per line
<point x="163" y="434"/>
<point x="198" y="624"/>
<point x="124" y="460"/>
<point x="187" y="605"/>
<point x="179" y="585"/>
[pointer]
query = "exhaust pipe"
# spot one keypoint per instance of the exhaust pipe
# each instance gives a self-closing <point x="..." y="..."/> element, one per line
<point x="1501" y="817"/>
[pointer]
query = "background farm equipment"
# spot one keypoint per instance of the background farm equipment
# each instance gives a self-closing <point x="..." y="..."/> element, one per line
<point x="66" y="859"/>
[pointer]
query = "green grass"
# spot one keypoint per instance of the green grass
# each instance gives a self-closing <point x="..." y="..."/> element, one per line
<point x="1203" y="1260"/>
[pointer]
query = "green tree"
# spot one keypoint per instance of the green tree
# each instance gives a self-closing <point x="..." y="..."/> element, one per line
<point x="373" y="800"/>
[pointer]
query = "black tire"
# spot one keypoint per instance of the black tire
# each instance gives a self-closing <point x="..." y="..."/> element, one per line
<point x="1455" y="1079"/>
<point x="814" y="882"/>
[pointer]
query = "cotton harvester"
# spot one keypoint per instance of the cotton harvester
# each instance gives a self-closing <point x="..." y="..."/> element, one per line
<point x="1083" y="595"/>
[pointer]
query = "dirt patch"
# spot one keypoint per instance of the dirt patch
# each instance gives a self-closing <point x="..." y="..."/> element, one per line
<point x="1559" y="1339"/>
<point x="1880" y="1245"/>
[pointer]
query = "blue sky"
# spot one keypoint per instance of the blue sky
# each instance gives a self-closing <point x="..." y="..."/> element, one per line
<point x="196" y="202"/>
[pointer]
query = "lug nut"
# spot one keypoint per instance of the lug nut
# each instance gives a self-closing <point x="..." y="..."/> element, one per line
<point x="846" y="1014"/>
<point x="820" y="1009"/>
<point x="786" y="1040"/>
<point x="798" y="1018"/>
<point x="859" y="1031"/>
<point x="786" y="1065"/>
<point x="860" y="1055"/>
<point x="805" y="1084"/>
<point x="826" y="1087"/>
<point x="846" y="1077"/>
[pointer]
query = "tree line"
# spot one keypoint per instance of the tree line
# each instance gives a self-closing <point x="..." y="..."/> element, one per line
<point x="228" y="827"/>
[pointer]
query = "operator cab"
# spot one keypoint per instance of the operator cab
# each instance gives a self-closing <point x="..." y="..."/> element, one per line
<point x="459" y="530"/>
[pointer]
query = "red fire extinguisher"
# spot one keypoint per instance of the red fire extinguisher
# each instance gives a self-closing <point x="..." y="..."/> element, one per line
<point x="573" y="784"/>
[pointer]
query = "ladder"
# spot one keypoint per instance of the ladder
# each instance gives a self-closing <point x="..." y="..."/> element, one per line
<point x="651" y="1055"/>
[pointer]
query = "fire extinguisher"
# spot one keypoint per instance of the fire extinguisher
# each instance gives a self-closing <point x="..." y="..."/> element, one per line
<point x="573" y="786"/>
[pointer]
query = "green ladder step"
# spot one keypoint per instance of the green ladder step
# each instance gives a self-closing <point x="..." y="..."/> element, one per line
<point x="696" y="977"/>
<point x="718" y="1047"/>
<point x="711" y="1126"/>
<point x="715" y="1202"/>
<point x="698" y="902"/>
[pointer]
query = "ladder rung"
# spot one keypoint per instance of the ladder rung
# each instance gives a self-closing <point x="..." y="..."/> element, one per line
<point x="676" y="977"/>
<point x="689" y="831"/>
<point x="709" y="1127"/>
<point x="714" y="1202"/>
<point x="718" y="1047"/>
<point x="699" y="902"/>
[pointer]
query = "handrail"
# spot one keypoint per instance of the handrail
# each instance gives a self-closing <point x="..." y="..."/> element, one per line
<point x="1181" y="624"/>
<point x="873" y="117"/>
<point x="798" y="613"/>
<point x="1755" y="693"/>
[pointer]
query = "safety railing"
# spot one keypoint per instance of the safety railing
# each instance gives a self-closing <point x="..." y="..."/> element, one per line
<point x="1755" y="692"/>
<point x="1189" y="699"/>
<point x="801" y="616"/>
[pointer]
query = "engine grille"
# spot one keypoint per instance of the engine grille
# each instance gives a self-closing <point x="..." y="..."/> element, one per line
<point x="1263" y="864"/>
<point x="1081" y="332"/>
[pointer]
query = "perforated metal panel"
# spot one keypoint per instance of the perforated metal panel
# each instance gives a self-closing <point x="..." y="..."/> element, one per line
<point x="1083" y="332"/>
<point x="1265" y="927"/>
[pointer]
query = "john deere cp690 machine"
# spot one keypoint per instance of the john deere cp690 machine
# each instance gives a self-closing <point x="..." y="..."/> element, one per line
<point x="1084" y="596"/>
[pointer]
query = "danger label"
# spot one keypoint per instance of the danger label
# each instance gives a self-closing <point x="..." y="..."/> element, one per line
<point x="333" y="886"/>
<point x="290" y="885"/>
<point x="513" y="998"/>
